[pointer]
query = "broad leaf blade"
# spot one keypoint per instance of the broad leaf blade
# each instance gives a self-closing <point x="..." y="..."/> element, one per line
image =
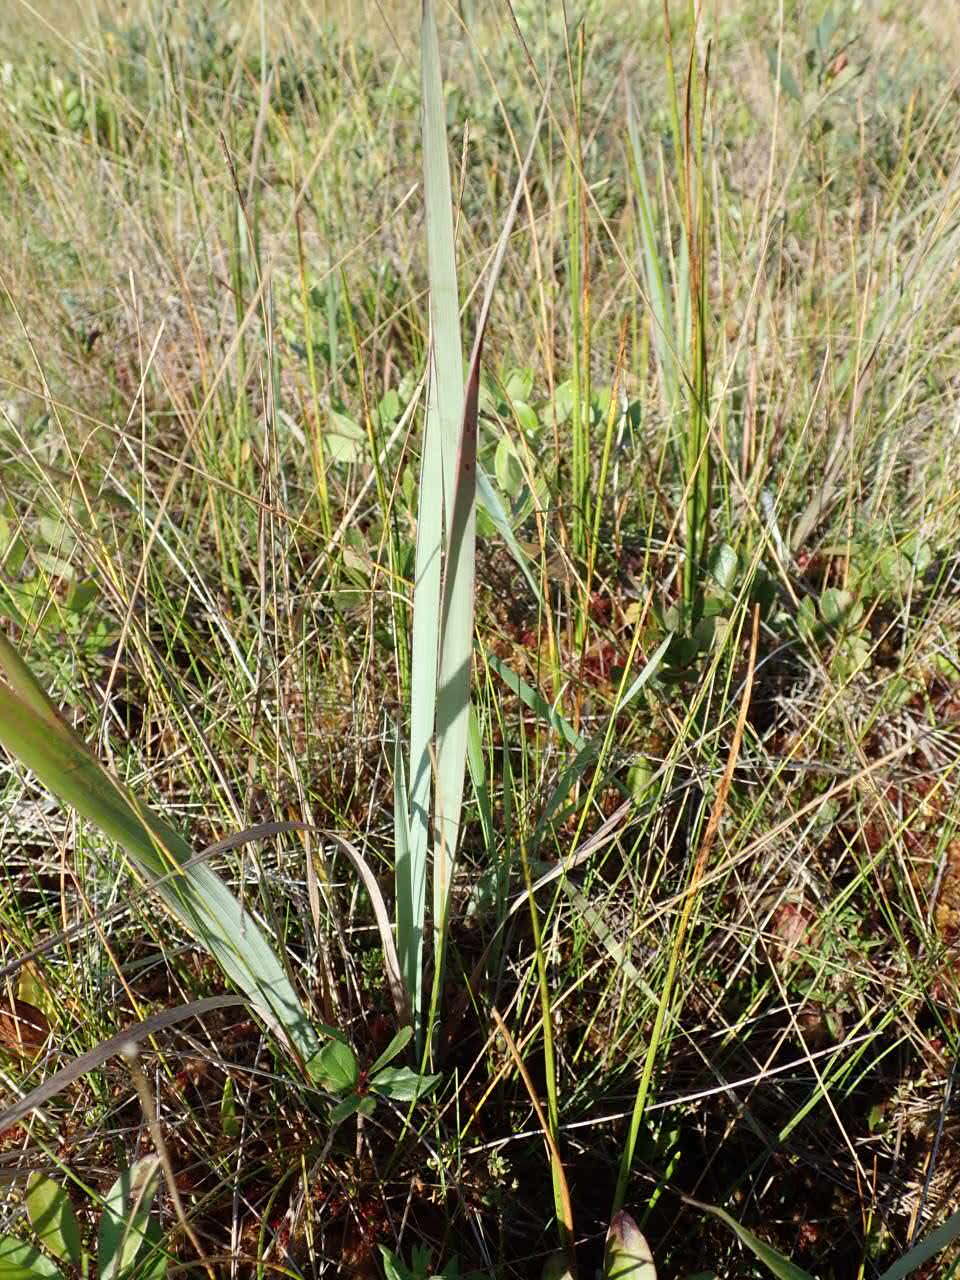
<point x="31" y="729"/>
<point x="345" y="1109"/>
<point x="396" y="1045"/>
<point x="627" y="1255"/>
<point x="402" y="1084"/>
<point x="20" y="1261"/>
<point x="52" y="1218"/>
<point x="336" y="1067"/>
<point x="441" y="440"/>
<point x="557" y="1267"/>
<point x="152" y="1262"/>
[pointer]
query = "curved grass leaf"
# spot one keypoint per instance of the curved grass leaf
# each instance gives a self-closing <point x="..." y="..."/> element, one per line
<point x="97" y="1056"/>
<point x="391" y="963"/>
<point x="32" y="730"/>
<point x="771" y="1258"/>
<point x="928" y="1248"/>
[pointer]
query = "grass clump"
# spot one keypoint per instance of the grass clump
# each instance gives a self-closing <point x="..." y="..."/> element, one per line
<point x="677" y="748"/>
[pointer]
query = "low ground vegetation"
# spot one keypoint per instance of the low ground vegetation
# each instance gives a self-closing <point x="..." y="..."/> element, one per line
<point x="703" y="918"/>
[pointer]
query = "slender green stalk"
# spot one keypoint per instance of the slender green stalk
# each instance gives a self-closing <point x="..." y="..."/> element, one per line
<point x="579" y="330"/>
<point x="317" y="454"/>
<point x="697" y="454"/>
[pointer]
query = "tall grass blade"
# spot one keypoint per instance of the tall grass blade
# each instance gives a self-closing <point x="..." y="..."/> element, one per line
<point x="32" y="730"/>
<point x="447" y="402"/>
<point x="665" y="336"/>
<point x="441" y="428"/>
<point x="443" y="604"/>
<point x="409" y="909"/>
<point x="456" y="635"/>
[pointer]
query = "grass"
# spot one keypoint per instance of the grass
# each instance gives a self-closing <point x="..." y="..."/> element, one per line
<point x="702" y="926"/>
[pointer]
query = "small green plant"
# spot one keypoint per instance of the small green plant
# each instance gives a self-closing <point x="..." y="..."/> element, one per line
<point x="128" y="1240"/>
<point x="358" y="1089"/>
<point x="626" y="1255"/>
<point x="421" y="1266"/>
<point x="40" y="584"/>
<point x="824" y="62"/>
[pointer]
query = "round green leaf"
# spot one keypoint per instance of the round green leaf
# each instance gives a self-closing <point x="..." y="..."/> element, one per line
<point x="335" y="1067"/>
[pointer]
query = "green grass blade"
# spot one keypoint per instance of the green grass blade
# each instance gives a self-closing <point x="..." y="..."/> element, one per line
<point x="456" y="651"/>
<point x="460" y="568"/>
<point x="771" y="1258"/>
<point x="411" y="872"/>
<point x="489" y="499"/>
<point x="459" y="459"/>
<point x="446" y="340"/>
<point x="32" y="730"/>
<point x="536" y="702"/>
<point x="928" y="1247"/>
<point x="658" y="295"/>
<point x="409" y="887"/>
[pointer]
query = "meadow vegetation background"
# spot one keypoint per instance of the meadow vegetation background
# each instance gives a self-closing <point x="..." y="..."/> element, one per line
<point x="718" y="413"/>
